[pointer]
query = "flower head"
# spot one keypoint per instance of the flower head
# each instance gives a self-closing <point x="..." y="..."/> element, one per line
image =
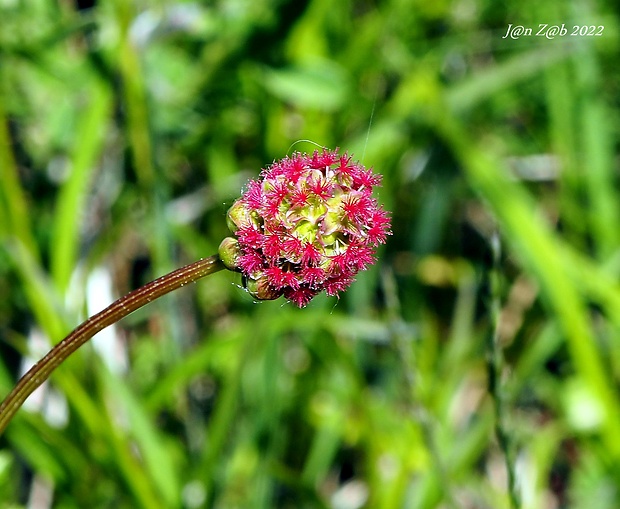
<point x="308" y="224"/>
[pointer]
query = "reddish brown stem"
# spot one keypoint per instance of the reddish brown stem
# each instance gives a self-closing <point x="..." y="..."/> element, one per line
<point x="112" y="314"/>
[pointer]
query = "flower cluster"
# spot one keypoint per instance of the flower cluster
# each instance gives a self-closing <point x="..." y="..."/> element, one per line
<point x="308" y="224"/>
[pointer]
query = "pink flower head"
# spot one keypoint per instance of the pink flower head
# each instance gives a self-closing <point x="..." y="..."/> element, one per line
<point x="308" y="224"/>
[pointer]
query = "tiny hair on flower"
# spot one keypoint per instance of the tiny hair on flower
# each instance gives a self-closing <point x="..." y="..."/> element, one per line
<point x="309" y="223"/>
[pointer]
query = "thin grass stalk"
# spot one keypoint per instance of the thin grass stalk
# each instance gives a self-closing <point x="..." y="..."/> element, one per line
<point x="495" y="366"/>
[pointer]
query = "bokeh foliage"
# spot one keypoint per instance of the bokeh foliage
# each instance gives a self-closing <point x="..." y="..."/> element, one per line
<point x="476" y="365"/>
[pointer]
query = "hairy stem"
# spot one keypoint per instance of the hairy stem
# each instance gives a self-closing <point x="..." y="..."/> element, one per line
<point x="112" y="314"/>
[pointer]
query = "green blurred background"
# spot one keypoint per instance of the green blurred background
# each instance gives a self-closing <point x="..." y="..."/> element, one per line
<point x="476" y="365"/>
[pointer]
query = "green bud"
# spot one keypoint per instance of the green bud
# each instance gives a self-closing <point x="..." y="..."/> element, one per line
<point x="260" y="289"/>
<point x="330" y="228"/>
<point x="306" y="230"/>
<point x="237" y="216"/>
<point x="229" y="252"/>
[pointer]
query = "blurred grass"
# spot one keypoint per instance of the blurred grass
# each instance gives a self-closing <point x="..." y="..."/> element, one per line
<point x="126" y="130"/>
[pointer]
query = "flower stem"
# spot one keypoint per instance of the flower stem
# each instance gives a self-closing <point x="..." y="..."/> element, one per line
<point x="113" y="313"/>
